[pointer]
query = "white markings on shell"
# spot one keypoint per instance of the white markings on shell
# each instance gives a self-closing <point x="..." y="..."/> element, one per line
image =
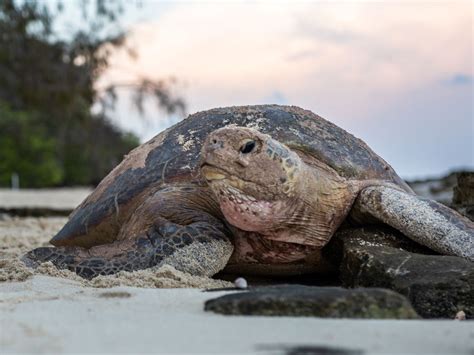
<point x="187" y="143"/>
<point x="295" y="131"/>
<point x="255" y="123"/>
<point x="186" y="167"/>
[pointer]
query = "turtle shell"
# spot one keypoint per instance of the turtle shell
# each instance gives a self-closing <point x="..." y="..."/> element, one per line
<point x="173" y="156"/>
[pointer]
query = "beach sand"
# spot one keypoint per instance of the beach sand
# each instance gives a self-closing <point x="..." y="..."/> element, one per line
<point x="49" y="315"/>
<point x="58" y="198"/>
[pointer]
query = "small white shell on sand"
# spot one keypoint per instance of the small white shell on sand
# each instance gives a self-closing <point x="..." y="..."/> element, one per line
<point x="459" y="316"/>
<point x="240" y="283"/>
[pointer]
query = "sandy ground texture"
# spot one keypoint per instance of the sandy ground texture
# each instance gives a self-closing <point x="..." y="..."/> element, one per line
<point x="18" y="235"/>
<point x="52" y="315"/>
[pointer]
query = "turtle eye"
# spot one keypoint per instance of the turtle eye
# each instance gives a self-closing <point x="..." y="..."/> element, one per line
<point x="247" y="147"/>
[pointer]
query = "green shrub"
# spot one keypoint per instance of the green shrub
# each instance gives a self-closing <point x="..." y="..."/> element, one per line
<point x="26" y="149"/>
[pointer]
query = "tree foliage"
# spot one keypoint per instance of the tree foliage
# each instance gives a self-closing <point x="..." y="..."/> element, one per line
<point x="48" y="133"/>
<point x="26" y="149"/>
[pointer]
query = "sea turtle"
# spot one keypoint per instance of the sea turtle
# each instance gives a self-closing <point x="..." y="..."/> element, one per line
<point x="256" y="189"/>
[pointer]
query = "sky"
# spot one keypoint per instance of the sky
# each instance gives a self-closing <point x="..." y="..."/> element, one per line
<point x="397" y="74"/>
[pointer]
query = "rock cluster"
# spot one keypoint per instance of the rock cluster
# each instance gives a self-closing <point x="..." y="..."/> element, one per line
<point x="437" y="286"/>
<point x="327" y="302"/>
<point x="463" y="197"/>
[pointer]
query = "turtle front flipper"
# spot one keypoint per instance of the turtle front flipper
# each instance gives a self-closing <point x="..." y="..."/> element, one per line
<point x="198" y="249"/>
<point x="162" y="231"/>
<point x="422" y="220"/>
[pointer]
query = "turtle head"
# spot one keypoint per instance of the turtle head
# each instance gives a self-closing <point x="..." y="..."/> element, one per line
<point x="253" y="176"/>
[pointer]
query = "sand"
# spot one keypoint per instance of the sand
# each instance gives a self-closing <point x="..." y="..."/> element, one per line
<point x="64" y="198"/>
<point x="53" y="315"/>
<point x="18" y="235"/>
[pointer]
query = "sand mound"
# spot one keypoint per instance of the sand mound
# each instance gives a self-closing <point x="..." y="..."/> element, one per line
<point x="18" y="235"/>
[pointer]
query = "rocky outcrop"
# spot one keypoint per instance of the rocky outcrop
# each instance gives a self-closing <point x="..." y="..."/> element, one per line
<point x="463" y="197"/>
<point x="455" y="190"/>
<point x="437" y="286"/>
<point x="438" y="189"/>
<point x="327" y="302"/>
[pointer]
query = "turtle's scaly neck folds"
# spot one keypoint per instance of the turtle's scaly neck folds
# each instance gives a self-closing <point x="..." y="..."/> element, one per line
<point x="245" y="211"/>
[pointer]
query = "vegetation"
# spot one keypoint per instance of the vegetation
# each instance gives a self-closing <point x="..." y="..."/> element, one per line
<point x="49" y="134"/>
<point x="26" y="149"/>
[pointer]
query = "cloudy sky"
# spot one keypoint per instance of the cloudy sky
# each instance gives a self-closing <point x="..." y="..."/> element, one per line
<point x="396" y="74"/>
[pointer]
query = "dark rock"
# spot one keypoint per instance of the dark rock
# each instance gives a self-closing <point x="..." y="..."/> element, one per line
<point x="310" y="350"/>
<point x="306" y="301"/>
<point x="463" y="197"/>
<point x="438" y="189"/>
<point x="377" y="235"/>
<point x="437" y="286"/>
<point x="115" y="294"/>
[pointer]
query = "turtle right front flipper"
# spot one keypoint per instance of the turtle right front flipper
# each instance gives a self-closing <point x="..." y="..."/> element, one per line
<point x="422" y="220"/>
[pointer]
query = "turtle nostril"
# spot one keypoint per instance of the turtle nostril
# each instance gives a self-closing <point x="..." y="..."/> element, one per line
<point x="216" y="144"/>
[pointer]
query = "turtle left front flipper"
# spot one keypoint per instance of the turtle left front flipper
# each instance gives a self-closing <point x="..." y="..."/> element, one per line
<point x="160" y="232"/>
<point x="422" y="220"/>
<point x="197" y="249"/>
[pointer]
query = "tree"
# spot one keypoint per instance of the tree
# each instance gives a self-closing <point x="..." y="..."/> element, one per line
<point x="26" y="150"/>
<point x="47" y="81"/>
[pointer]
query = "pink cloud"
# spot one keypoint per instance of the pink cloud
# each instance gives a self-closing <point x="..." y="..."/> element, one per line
<point x="345" y="61"/>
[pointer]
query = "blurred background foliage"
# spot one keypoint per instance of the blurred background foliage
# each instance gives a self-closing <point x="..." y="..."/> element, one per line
<point x="55" y="128"/>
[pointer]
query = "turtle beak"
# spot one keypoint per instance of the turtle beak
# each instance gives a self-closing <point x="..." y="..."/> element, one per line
<point x="213" y="176"/>
<point x="211" y="173"/>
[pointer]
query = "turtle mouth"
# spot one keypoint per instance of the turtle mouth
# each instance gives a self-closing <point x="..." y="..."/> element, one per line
<point x="213" y="174"/>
